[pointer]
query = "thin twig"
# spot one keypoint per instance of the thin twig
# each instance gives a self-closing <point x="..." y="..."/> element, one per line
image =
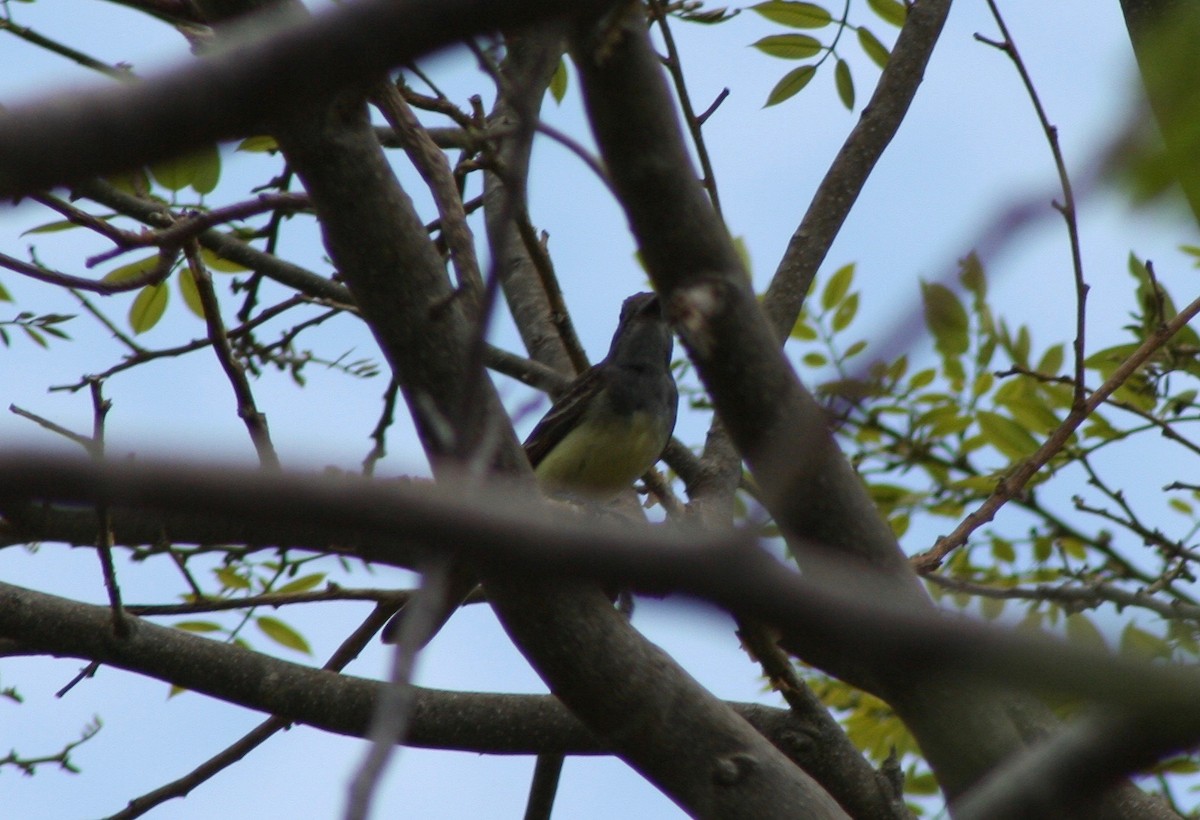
<point x="694" y="123"/>
<point x="255" y="421"/>
<point x="1067" y="208"/>
<point x="104" y="533"/>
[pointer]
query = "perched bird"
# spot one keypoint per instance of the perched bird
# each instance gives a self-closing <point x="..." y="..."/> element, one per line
<point x="610" y="426"/>
<point x="615" y="420"/>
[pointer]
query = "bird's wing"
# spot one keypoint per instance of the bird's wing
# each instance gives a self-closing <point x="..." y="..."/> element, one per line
<point x="562" y="417"/>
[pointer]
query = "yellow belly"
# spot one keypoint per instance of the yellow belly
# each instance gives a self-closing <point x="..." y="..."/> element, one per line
<point x="602" y="457"/>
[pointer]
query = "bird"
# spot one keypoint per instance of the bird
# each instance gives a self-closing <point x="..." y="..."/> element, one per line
<point x="610" y="426"/>
<point x="614" y="421"/>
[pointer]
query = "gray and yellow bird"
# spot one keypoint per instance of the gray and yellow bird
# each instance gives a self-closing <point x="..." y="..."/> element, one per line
<point x="609" y="427"/>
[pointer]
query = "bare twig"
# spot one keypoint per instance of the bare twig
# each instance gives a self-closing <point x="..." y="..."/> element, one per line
<point x="1067" y="208"/>
<point x="255" y="421"/>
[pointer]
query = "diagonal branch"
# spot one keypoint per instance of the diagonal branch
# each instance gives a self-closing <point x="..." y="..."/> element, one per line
<point x="276" y="66"/>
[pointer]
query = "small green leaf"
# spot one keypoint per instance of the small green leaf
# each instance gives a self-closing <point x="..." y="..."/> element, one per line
<point x="803" y="330"/>
<point x="844" y="83"/>
<point x="190" y="293"/>
<point x="131" y="271"/>
<point x="34" y="336"/>
<point x="558" y="81"/>
<point x="815" y="360"/>
<point x="874" y="49"/>
<point x="231" y="579"/>
<point x="789" y="46"/>
<point x="304" y="582"/>
<point x="794" y="14"/>
<point x="258" y="145"/>
<point x="283" y="634"/>
<point x="219" y="264"/>
<point x="208" y="170"/>
<point x="921" y="378"/>
<point x="198" y="626"/>
<point x="946" y="318"/>
<point x="1002" y="550"/>
<point x="845" y="313"/>
<point x="200" y="170"/>
<point x="1179" y="505"/>
<point x="972" y="276"/>
<point x="5" y="296"/>
<point x="1010" y="438"/>
<point x="837" y="286"/>
<point x="52" y="227"/>
<point x="983" y="383"/>
<point x="791" y="84"/>
<point x="1052" y="361"/>
<point x="148" y="307"/>
<point x="855" y="349"/>
<point x="890" y="11"/>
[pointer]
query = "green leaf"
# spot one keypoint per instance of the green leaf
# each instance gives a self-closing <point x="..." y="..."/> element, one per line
<point x="946" y="319"/>
<point x="230" y="578"/>
<point x="789" y="46"/>
<point x="855" y="349"/>
<point x="198" y="626"/>
<point x="1179" y="505"/>
<point x="558" y="81"/>
<point x="283" y="634"/>
<point x="148" y="307"/>
<point x="922" y="378"/>
<point x="815" y="360"/>
<point x="1010" y="438"/>
<point x="258" y="145"/>
<point x="874" y="49"/>
<point x="793" y="14"/>
<point x="190" y="293"/>
<point x="972" y="276"/>
<point x="5" y="296"/>
<point x="208" y="170"/>
<point x="837" y="286"/>
<point x="34" y="336"/>
<point x="791" y="84"/>
<point x="1142" y="644"/>
<point x="131" y="271"/>
<point x="1031" y="412"/>
<point x="52" y="227"/>
<point x="1002" y="550"/>
<point x="983" y="383"/>
<point x="844" y="83"/>
<point x="1052" y="361"/>
<point x="845" y="313"/>
<point x="219" y="264"/>
<point x="803" y="330"/>
<point x="890" y="11"/>
<point x="304" y="582"/>
<point x="200" y="170"/>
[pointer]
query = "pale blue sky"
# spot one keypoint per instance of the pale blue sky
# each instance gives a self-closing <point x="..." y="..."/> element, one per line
<point x="970" y="149"/>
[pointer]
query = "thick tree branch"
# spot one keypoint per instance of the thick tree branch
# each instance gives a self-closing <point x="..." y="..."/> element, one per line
<point x="274" y="66"/>
<point x="459" y="721"/>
